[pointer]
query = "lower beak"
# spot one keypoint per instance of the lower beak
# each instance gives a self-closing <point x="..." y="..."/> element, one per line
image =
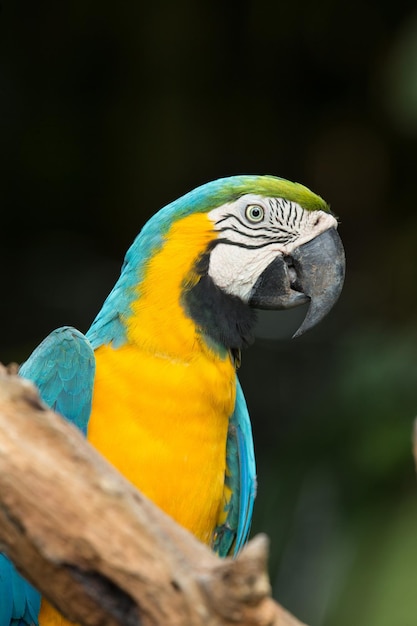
<point x="313" y="272"/>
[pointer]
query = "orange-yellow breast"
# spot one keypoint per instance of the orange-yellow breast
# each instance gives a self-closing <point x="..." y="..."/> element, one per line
<point x="165" y="429"/>
<point x="162" y="401"/>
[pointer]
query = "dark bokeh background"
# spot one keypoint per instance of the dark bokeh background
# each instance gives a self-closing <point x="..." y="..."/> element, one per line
<point x="110" y="110"/>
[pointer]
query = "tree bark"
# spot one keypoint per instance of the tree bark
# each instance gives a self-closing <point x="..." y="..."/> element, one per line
<point x="100" y="551"/>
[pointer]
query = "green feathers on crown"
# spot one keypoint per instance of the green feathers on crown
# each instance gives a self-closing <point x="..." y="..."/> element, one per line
<point x="229" y="189"/>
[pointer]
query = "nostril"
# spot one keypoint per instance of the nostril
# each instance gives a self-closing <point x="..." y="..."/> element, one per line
<point x="293" y="275"/>
<point x="291" y="271"/>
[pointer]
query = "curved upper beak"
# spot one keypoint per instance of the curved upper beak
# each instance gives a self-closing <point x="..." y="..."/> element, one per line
<point x="313" y="272"/>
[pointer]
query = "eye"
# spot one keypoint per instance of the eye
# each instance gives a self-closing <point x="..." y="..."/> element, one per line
<point x="254" y="213"/>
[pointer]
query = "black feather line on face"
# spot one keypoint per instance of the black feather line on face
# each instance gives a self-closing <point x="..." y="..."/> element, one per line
<point x="268" y="238"/>
<point x="248" y="246"/>
<point x="271" y="231"/>
<point x="224" y="318"/>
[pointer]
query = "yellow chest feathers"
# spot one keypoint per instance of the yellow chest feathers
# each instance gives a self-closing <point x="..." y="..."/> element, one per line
<point x="163" y="424"/>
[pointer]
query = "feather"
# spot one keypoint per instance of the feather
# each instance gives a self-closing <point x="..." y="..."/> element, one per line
<point x="63" y="367"/>
<point x="20" y="602"/>
<point x="240" y="480"/>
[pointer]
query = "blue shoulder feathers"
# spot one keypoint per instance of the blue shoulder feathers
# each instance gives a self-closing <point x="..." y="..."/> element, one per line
<point x="63" y="367"/>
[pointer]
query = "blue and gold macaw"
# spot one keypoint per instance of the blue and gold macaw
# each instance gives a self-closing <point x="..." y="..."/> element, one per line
<point x="153" y="383"/>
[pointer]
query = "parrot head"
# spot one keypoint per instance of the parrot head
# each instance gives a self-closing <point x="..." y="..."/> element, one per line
<point x="268" y="244"/>
<point x="276" y="247"/>
<point x="278" y="251"/>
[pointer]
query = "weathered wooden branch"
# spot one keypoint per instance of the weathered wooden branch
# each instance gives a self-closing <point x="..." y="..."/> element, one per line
<point x="97" y="548"/>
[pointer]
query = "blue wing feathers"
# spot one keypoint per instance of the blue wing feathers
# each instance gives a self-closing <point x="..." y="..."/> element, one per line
<point x="240" y="478"/>
<point x="247" y="467"/>
<point x="63" y="368"/>
<point x="19" y="602"/>
<point x="247" y="491"/>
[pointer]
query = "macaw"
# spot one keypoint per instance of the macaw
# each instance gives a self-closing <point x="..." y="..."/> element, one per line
<point x="153" y="383"/>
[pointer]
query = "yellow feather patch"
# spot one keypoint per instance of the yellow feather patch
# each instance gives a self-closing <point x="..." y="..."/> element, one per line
<point x="158" y="322"/>
<point x="49" y="616"/>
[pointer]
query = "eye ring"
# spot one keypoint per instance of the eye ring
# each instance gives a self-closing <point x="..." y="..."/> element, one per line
<point x="254" y="213"/>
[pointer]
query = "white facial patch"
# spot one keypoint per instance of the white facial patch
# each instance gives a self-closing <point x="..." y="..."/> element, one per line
<point x="253" y="231"/>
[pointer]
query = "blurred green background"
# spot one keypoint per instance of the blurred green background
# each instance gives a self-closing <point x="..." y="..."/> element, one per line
<point x="110" y="110"/>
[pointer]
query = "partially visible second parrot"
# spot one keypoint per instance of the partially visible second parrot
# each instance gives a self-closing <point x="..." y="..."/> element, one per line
<point x="153" y="383"/>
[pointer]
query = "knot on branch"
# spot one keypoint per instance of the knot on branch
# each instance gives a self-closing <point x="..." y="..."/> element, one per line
<point x="236" y="587"/>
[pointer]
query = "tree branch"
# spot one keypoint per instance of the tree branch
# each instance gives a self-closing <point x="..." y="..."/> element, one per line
<point x="97" y="548"/>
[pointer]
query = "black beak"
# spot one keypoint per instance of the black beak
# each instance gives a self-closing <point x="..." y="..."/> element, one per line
<point x="314" y="272"/>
